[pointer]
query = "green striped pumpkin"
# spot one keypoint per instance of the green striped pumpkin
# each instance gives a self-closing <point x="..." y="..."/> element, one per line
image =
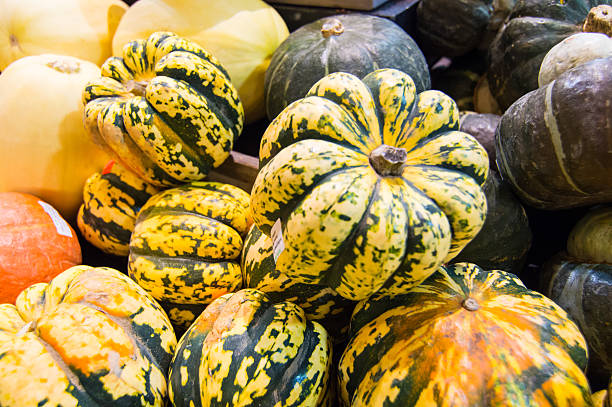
<point x="244" y="350"/>
<point x="369" y="181"/>
<point x="186" y="245"/>
<point x="166" y="110"/>
<point x="464" y="337"/>
<point x="111" y="201"/>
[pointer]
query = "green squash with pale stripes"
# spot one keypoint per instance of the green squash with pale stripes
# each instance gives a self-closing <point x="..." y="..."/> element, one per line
<point x="111" y="201"/>
<point x="245" y="350"/>
<point x="366" y="182"/>
<point x="186" y="245"/>
<point x="166" y="110"/>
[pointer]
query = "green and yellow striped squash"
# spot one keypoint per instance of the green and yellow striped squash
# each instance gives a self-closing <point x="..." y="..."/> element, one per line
<point x="186" y="245"/>
<point x="464" y="337"/>
<point x="245" y="350"/>
<point x="369" y="180"/>
<point x="90" y="337"/>
<point x="167" y="110"/>
<point x="320" y="303"/>
<point x="111" y="201"/>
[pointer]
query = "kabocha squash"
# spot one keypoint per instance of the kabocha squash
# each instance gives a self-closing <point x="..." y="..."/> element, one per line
<point x="320" y="303"/>
<point x="353" y="43"/>
<point x="464" y="337"/>
<point x="482" y="126"/>
<point x="555" y="156"/>
<point x="244" y="350"/>
<point x="166" y="110"/>
<point x="91" y="337"/>
<point x="186" y="244"/>
<point x="365" y="180"/>
<point x="111" y="201"/>
<point x="36" y="243"/>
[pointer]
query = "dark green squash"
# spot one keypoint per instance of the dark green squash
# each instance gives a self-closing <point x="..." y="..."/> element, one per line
<point x="482" y="126"/>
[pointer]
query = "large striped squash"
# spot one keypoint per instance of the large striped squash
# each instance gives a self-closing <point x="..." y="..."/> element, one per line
<point x="91" y="337"/>
<point x="464" y="337"/>
<point x="186" y="245"/>
<point x="366" y="180"/>
<point x="244" y="350"/>
<point x="166" y="110"/>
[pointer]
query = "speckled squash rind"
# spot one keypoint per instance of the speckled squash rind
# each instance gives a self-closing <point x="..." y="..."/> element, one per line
<point x="91" y="337"/>
<point x="167" y="110"/>
<point x="343" y="224"/>
<point x="464" y="337"/>
<point x="243" y="350"/>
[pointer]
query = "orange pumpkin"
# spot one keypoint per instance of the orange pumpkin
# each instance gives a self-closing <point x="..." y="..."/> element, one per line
<point x="36" y="243"/>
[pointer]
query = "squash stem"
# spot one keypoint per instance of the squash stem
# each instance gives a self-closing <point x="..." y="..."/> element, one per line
<point x="332" y="27"/>
<point x="599" y="20"/>
<point x="137" y="88"/>
<point x="470" y="304"/>
<point x="388" y="160"/>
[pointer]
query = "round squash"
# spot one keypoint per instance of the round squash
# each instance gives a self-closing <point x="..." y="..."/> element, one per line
<point x="353" y="43"/>
<point x="482" y="126"/>
<point x="44" y="150"/>
<point x="365" y="180"/>
<point x="36" y="243"/>
<point x="244" y="350"/>
<point x="242" y="34"/>
<point x="464" y="337"/>
<point x="91" y="337"/>
<point x="111" y="201"/>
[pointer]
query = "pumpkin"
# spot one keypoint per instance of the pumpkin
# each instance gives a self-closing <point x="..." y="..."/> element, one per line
<point x="167" y="110"/>
<point x="320" y="303"/>
<point x="365" y="180"/>
<point x="186" y="244"/>
<point x="353" y="43"/>
<point x="245" y="350"/>
<point x="553" y="157"/>
<point x="91" y="337"/>
<point x="111" y="201"/>
<point x="242" y="34"/>
<point x="44" y="150"/>
<point x="464" y="337"/>
<point x="36" y="243"/>
<point x="79" y="28"/>
<point x="482" y="126"/>
<point x="532" y="28"/>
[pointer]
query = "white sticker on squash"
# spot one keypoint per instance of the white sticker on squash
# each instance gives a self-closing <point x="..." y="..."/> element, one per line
<point x="60" y="224"/>
<point x="278" y="244"/>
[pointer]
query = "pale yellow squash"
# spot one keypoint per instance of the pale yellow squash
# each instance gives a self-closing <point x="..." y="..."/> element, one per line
<point x="242" y="34"/>
<point x="80" y="28"/>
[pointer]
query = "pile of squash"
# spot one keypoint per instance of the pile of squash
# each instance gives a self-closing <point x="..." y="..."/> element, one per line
<point x="429" y="223"/>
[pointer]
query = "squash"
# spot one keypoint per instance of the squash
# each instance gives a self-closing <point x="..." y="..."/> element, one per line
<point x="353" y="43"/>
<point x="464" y="337"/>
<point x="44" y="150"/>
<point x="111" y="201"/>
<point x="555" y="156"/>
<point x="365" y="180"/>
<point x="36" y="243"/>
<point x="186" y="244"/>
<point x="482" y="126"/>
<point x="244" y="350"/>
<point x="91" y="337"/>
<point x="79" y="28"/>
<point x="167" y="110"/>
<point x="242" y="34"/>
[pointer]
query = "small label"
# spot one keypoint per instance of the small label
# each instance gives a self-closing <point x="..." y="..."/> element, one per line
<point x="278" y="244"/>
<point x="60" y="224"/>
<point x="108" y="167"/>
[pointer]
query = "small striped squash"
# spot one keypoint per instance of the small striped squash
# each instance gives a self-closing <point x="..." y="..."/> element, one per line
<point x="111" y="201"/>
<point x="186" y="245"/>
<point x="464" y="337"/>
<point x="244" y="350"/>
<point x="91" y="337"/>
<point x="166" y="110"/>
<point x="366" y="180"/>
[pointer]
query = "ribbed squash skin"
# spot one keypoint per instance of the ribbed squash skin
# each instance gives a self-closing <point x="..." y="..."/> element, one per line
<point x="343" y="224"/>
<point x="427" y="348"/>
<point x="166" y="110"/>
<point x="111" y="201"/>
<point x="243" y="350"/>
<point x="185" y="248"/>
<point x="91" y="337"/>
<point x="320" y="303"/>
